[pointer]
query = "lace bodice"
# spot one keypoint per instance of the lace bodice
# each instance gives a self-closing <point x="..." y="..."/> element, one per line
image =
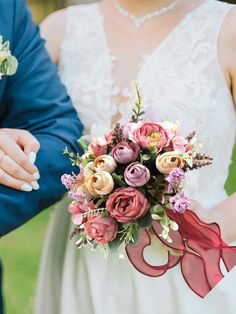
<point x="181" y="80"/>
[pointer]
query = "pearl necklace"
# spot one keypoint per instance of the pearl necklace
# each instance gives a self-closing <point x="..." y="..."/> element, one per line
<point x="139" y="21"/>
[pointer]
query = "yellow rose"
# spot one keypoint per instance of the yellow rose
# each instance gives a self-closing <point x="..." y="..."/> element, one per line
<point x="167" y="162"/>
<point x="100" y="183"/>
<point x="88" y="170"/>
<point x="105" y="163"/>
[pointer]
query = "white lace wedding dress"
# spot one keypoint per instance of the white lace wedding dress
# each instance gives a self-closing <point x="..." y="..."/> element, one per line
<point x="181" y="80"/>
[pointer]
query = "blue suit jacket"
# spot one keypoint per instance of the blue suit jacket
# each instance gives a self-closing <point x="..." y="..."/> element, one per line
<point x="34" y="99"/>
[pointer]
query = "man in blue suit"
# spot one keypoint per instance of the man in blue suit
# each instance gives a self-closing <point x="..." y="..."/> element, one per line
<point x="34" y="100"/>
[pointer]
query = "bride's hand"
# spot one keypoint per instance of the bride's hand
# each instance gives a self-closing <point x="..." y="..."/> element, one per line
<point x="18" y="149"/>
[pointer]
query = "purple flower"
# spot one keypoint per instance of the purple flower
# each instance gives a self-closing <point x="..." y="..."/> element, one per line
<point x="175" y="179"/>
<point x="124" y="152"/>
<point x="179" y="203"/>
<point x="136" y="175"/>
<point x="67" y="180"/>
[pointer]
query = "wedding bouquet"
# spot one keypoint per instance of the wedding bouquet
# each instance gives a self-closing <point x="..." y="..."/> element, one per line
<point x="130" y="187"/>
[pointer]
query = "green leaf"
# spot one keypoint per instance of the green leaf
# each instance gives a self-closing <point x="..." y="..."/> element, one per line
<point x="84" y="144"/>
<point x="135" y="236"/>
<point x="157" y="209"/>
<point x="114" y="245"/>
<point x="146" y="157"/>
<point x="145" y="222"/>
<point x="118" y="179"/>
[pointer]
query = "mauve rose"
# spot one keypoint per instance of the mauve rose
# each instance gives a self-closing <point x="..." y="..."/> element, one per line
<point x="136" y="175"/>
<point x="127" y="204"/>
<point x="142" y="135"/>
<point x="103" y="230"/>
<point x="124" y="152"/>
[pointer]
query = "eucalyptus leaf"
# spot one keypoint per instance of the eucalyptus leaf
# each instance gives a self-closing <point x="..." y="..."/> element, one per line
<point x="157" y="209"/>
<point x="145" y="222"/>
<point x="146" y="157"/>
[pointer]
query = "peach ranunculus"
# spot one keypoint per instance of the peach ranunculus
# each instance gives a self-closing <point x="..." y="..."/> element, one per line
<point x="88" y="170"/>
<point x="105" y="163"/>
<point x="100" y="183"/>
<point x="127" y="204"/>
<point x="101" y="229"/>
<point x="150" y="133"/>
<point x="168" y="161"/>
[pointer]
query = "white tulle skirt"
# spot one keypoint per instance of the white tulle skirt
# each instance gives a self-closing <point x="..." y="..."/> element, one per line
<point x="75" y="281"/>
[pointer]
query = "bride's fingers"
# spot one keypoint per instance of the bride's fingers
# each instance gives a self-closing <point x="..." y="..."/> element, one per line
<point x="13" y="150"/>
<point x="29" y="144"/>
<point x="10" y="167"/>
<point x="13" y="183"/>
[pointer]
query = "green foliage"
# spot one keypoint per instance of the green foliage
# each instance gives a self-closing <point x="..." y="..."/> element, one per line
<point x="118" y="179"/>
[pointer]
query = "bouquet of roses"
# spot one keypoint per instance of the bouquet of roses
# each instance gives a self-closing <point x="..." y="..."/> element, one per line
<point x="131" y="185"/>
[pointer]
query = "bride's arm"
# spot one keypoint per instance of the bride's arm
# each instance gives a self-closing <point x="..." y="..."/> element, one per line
<point x="53" y="31"/>
<point x="225" y="213"/>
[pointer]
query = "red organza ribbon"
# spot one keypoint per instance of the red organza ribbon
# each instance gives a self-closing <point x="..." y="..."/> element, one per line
<point x="202" y="250"/>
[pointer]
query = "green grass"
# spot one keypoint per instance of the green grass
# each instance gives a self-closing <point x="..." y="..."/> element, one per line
<point x="20" y="252"/>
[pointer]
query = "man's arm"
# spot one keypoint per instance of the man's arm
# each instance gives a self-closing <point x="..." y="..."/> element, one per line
<point x="36" y="101"/>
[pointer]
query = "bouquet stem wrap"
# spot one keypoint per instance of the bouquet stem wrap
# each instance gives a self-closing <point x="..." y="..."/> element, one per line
<point x="202" y="251"/>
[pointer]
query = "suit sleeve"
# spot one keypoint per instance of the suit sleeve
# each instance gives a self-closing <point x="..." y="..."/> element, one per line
<point x="36" y="100"/>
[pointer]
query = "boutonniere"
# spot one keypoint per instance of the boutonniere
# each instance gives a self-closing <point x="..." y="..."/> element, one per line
<point x="8" y="63"/>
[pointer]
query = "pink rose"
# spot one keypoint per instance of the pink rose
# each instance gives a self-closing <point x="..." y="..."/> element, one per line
<point x="143" y="135"/>
<point x="74" y="208"/>
<point x="99" y="145"/>
<point x="130" y="128"/>
<point x="98" y="150"/>
<point x="103" y="230"/>
<point x="179" y="144"/>
<point x="77" y="219"/>
<point x="124" y="152"/>
<point x="127" y="204"/>
<point x="136" y="175"/>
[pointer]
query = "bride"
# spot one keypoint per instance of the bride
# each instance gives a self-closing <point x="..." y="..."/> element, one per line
<point x="183" y="54"/>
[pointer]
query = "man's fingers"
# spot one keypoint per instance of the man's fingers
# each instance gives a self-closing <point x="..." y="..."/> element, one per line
<point x="10" y="182"/>
<point x="15" y="171"/>
<point x="13" y="150"/>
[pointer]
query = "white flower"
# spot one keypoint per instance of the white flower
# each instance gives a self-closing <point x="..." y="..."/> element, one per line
<point x="4" y="55"/>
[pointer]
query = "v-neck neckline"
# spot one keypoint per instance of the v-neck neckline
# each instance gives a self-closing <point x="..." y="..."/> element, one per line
<point x="124" y="91"/>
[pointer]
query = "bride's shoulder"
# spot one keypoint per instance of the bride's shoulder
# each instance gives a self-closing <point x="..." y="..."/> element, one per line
<point x="53" y="29"/>
<point x="228" y="33"/>
<point x="227" y="46"/>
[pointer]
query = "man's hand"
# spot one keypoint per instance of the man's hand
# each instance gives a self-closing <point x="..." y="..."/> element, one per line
<point x="18" y="149"/>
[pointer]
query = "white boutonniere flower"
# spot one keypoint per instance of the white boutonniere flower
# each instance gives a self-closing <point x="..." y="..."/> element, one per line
<point x="8" y="63"/>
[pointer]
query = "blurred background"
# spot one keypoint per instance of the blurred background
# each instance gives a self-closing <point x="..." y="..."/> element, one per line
<point x="20" y="251"/>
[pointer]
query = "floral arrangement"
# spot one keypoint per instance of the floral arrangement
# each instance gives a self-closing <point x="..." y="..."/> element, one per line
<point x="131" y="181"/>
<point x="8" y="63"/>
